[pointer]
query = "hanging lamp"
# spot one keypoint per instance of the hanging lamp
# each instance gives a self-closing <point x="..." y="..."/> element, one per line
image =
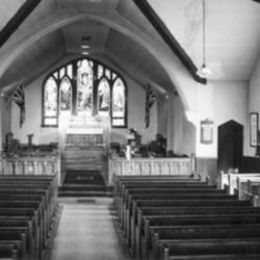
<point x="204" y="71"/>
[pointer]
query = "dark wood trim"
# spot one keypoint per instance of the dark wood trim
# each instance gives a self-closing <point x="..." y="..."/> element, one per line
<point x="95" y="90"/>
<point x="169" y="39"/>
<point x="13" y="24"/>
<point x="250" y="164"/>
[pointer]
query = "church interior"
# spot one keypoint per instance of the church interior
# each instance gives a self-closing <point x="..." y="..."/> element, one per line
<point x="129" y="129"/>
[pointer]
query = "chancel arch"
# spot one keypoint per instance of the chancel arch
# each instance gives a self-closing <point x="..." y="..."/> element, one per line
<point x="176" y="73"/>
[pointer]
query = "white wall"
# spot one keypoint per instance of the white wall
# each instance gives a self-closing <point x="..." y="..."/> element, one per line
<point x="184" y="133"/>
<point x="254" y="99"/>
<point x="230" y="102"/>
<point x="136" y="115"/>
<point x="33" y="113"/>
<point x="219" y="101"/>
<point x="32" y="125"/>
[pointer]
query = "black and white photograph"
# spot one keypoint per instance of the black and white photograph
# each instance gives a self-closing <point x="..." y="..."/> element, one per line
<point x="129" y="130"/>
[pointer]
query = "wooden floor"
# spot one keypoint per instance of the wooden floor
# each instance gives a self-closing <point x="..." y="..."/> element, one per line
<point x="87" y="230"/>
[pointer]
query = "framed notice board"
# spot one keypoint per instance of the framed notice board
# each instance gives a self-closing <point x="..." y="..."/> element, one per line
<point x="206" y="131"/>
<point x="253" y="129"/>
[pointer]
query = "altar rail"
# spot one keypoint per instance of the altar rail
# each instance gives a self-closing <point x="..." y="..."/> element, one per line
<point x="49" y="165"/>
<point x="244" y="184"/>
<point x="150" y="166"/>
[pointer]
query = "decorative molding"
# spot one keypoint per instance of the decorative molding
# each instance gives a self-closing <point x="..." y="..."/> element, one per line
<point x="49" y="165"/>
<point x="169" y="39"/>
<point x="13" y="24"/>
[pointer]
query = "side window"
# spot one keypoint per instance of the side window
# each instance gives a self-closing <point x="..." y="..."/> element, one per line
<point x="103" y="96"/>
<point x="119" y="104"/>
<point x="50" y="103"/>
<point x="65" y="95"/>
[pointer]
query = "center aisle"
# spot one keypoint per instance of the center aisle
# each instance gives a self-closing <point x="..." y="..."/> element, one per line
<point x="87" y="231"/>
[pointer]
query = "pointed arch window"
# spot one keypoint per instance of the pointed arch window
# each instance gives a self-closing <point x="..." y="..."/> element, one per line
<point x="118" y="103"/>
<point x="85" y="87"/>
<point x="103" y="96"/>
<point x="50" y="102"/>
<point x="65" y="95"/>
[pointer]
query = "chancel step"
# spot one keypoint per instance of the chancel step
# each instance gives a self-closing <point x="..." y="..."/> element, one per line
<point x="84" y="184"/>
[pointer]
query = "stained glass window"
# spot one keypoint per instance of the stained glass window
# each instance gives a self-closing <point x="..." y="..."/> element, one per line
<point x="119" y="104"/>
<point x="62" y="72"/>
<point x="100" y="71"/>
<point x="50" y="115"/>
<point x="108" y="73"/>
<point x="103" y="95"/>
<point x="69" y="70"/>
<point x="84" y="87"/>
<point x="65" y="95"/>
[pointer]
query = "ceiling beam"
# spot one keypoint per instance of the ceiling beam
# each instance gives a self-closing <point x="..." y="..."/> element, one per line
<point x="169" y="39"/>
<point x="13" y="24"/>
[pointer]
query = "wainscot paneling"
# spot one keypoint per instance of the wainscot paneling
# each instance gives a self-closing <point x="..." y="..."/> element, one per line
<point x="207" y="168"/>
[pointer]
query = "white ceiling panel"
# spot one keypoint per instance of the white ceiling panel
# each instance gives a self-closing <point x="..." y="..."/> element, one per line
<point x="86" y="32"/>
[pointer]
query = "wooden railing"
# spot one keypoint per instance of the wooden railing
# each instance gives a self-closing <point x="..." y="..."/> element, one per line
<point x="32" y="165"/>
<point x="149" y="166"/>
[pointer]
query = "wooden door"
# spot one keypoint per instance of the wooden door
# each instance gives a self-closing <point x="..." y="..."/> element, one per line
<point x="230" y="145"/>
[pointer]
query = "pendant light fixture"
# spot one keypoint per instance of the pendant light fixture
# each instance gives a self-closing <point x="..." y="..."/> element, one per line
<point x="204" y="71"/>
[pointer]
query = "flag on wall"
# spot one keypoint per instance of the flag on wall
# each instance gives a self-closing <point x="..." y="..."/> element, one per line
<point x="149" y="101"/>
<point x="19" y="98"/>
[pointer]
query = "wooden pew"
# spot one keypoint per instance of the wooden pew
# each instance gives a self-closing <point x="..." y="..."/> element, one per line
<point x="142" y="180"/>
<point x="196" y="219"/>
<point x="22" y="223"/>
<point x="233" y="180"/>
<point x="44" y="182"/>
<point x="122" y="206"/>
<point x="26" y="195"/>
<point x="250" y="190"/>
<point x="177" y="188"/>
<point x="45" y="207"/>
<point x="139" y="178"/>
<point x="148" y="212"/>
<point x="134" y="234"/>
<point x="11" y="250"/>
<point x="16" y="236"/>
<point x="199" y="232"/>
<point x="41" y="216"/>
<point x="221" y="248"/>
<point x="33" y="181"/>
<point x="130" y="208"/>
<point x="181" y="213"/>
<point x="181" y="203"/>
<point x="24" y="232"/>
